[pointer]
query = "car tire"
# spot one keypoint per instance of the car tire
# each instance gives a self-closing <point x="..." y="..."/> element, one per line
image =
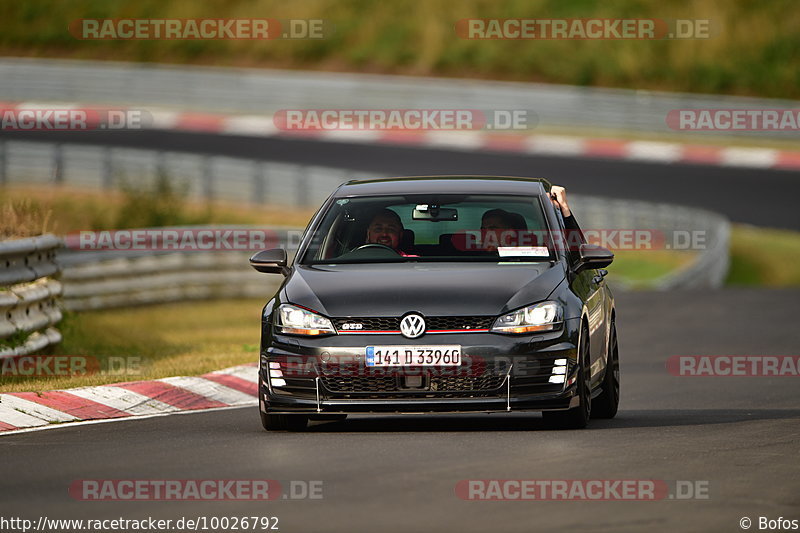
<point x="577" y="417"/>
<point x="606" y="404"/>
<point x="283" y="422"/>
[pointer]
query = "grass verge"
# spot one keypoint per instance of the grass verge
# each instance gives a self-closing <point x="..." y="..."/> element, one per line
<point x="764" y="257"/>
<point x="63" y="210"/>
<point x="638" y="269"/>
<point x="153" y="342"/>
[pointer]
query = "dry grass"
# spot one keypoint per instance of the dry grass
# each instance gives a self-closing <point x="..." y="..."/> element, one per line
<point x="63" y="210"/>
<point x="22" y="217"/>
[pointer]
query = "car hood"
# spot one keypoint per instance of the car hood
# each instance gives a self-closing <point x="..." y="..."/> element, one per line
<point x="433" y="289"/>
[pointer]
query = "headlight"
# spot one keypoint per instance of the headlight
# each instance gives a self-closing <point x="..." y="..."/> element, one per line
<point x="545" y="316"/>
<point x="299" y="321"/>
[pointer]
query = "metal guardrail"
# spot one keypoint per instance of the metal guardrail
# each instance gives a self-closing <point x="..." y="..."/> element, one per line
<point x="709" y="265"/>
<point x="265" y="91"/>
<point x="133" y="279"/>
<point x="201" y="176"/>
<point x="28" y="296"/>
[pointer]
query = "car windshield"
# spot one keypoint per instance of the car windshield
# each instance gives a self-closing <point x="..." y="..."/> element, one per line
<point x="461" y="228"/>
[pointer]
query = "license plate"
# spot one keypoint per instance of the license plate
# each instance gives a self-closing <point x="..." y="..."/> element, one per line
<point x="441" y="355"/>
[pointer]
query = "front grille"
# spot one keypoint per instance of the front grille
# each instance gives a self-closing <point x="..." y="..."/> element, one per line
<point x="476" y="378"/>
<point x="388" y="384"/>
<point x="431" y="323"/>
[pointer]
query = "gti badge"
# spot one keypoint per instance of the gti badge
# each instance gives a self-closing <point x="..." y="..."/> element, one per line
<point x="412" y="326"/>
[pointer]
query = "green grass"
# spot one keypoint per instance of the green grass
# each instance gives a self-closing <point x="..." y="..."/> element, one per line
<point x="753" y="50"/>
<point x="179" y="339"/>
<point x="764" y="257"/>
<point x="638" y="269"/>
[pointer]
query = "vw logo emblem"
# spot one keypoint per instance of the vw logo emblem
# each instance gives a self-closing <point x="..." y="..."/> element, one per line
<point x="412" y="326"/>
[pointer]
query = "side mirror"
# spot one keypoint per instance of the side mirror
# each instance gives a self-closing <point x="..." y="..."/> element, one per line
<point x="593" y="256"/>
<point x="270" y="261"/>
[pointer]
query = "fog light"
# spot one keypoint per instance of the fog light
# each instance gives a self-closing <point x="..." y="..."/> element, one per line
<point x="560" y="370"/>
<point x="275" y="365"/>
<point x="277" y="382"/>
<point x="275" y="373"/>
<point x="557" y="379"/>
<point x="558" y="362"/>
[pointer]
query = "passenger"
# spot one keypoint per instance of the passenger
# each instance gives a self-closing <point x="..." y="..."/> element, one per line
<point x="495" y="225"/>
<point x="574" y="235"/>
<point x="496" y="222"/>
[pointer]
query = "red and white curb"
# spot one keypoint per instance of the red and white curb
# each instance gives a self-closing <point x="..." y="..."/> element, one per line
<point x="232" y="387"/>
<point x="483" y="140"/>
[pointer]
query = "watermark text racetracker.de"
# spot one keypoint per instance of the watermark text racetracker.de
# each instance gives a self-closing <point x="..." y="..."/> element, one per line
<point x="182" y="239"/>
<point x="584" y="28"/>
<point x="54" y="118"/>
<point x="26" y="366"/>
<point x="734" y="120"/>
<point x="639" y="239"/>
<point x="734" y="365"/>
<point x="581" y="489"/>
<point x="199" y="29"/>
<point x="195" y="490"/>
<point x="404" y="119"/>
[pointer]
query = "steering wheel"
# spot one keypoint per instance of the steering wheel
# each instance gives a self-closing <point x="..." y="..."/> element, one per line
<point x="376" y="245"/>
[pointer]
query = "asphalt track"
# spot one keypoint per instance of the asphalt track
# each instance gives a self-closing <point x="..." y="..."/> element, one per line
<point x="382" y="473"/>
<point x="762" y="197"/>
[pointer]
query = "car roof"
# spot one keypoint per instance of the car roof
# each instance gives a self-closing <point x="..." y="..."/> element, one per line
<point x="444" y="184"/>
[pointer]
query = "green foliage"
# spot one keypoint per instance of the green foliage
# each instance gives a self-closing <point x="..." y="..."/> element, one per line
<point x="162" y="203"/>
<point x="753" y="51"/>
<point x="18" y="338"/>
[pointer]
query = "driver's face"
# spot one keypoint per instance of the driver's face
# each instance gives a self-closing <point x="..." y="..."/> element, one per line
<point x="384" y="230"/>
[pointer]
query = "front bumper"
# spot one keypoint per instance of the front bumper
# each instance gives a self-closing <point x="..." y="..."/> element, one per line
<point x="499" y="373"/>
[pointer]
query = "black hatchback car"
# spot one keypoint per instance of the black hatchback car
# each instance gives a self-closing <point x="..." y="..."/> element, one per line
<point x="439" y="294"/>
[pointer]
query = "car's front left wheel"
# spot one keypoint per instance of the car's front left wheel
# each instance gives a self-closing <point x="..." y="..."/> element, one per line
<point x="606" y="404"/>
<point x="283" y="422"/>
<point x="577" y="417"/>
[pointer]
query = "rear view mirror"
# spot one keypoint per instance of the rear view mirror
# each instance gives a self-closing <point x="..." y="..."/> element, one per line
<point x="270" y="261"/>
<point x="593" y="256"/>
<point x="434" y="213"/>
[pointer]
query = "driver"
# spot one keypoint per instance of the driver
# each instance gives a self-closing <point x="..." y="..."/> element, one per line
<point x="386" y="228"/>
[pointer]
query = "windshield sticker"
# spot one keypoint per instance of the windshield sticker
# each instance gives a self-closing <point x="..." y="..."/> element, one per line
<point x="523" y="251"/>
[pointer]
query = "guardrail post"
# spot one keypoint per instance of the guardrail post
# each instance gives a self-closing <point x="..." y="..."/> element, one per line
<point x="3" y="159"/>
<point x="259" y="182"/>
<point x="302" y="186"/>
<point x="28" y="297"/>
<point x="58" y="164"/>
<point x="208" y="178"/>
<point x="108" y="168"/>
